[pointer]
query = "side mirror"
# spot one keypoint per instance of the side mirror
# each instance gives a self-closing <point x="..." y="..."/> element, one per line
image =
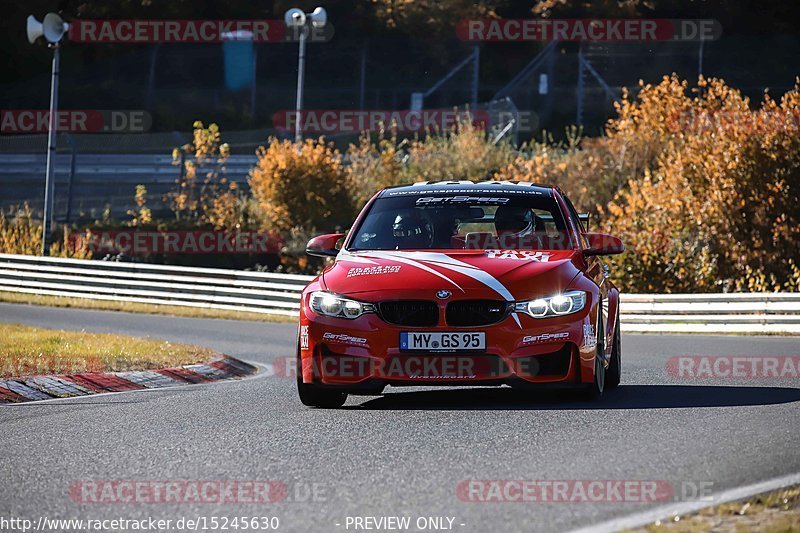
<point x="602" y="244"/>
<point x="324" y="245"/>
<point x="585" y="218"/>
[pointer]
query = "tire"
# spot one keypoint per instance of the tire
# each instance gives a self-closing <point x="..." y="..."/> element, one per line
<point x="314" y="396"/>
<point x="594" y="391"/>
<point x="614" y="372"/>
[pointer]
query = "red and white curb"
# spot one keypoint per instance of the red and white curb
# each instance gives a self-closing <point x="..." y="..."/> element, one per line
<point x="31" y="388"/>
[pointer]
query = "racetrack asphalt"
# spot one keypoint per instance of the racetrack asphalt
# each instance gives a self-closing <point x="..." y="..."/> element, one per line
<point x="402" y="454"/>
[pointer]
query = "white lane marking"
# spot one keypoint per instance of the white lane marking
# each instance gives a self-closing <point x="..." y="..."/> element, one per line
<point x="665" y="512"/>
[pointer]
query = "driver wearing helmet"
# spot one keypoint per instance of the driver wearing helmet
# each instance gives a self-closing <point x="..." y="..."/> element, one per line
<point x="515" y="227"/>
<point x="412" y="230"/>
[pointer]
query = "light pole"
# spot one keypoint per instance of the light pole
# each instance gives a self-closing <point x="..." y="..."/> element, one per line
<point x="298" y="20"/>
<point x="52" y="29"/>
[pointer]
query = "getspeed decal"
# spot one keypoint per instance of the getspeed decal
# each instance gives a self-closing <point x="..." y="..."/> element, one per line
<point x="344" y="338"/>
<point x="528" y="339"/>
<point x="444" y="200"/>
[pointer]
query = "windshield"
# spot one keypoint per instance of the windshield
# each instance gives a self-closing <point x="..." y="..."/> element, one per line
<point x="463" y="222"/>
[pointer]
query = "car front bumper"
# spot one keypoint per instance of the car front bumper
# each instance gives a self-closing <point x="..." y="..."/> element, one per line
<point x="364" y="353"/>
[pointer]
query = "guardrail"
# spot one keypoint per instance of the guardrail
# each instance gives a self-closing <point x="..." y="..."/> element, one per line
<point x="768" y="313"/>
<point x="237" y="290"/>
<point x="260" y="292"/>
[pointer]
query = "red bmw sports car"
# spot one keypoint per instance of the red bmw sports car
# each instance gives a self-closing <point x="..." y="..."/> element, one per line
<point x="460" y="283"/>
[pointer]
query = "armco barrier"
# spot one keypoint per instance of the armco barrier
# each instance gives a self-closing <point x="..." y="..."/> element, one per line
<point x="259" y="292"/>
<point x="212" y="288"/>
<point x="763" y="312"/>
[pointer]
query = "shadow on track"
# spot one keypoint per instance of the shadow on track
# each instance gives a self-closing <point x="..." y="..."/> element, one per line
<point x="625" y="397"/>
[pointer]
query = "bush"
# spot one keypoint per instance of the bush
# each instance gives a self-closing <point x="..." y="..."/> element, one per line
<point x="141" y="216"/>
<point x="301" y="185"/>
<point x="720" y="209"/>
<point x="703" y="190"/>
<point x="577" y="165"/>
<point x="203" y="195"/>
<point x="373" y="166"/>
<point x="594" y="170"/>
<point x="466" y="153"/>
<point x="21" y="234"/>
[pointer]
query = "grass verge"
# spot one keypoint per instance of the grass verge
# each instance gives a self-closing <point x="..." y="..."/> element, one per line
<point x="26" y="350"/>
<point x="772" y="512"/>
<point x="133" y="307"/>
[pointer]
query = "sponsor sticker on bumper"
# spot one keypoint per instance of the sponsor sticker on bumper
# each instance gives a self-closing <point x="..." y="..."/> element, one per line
<point x="544" y="337"/>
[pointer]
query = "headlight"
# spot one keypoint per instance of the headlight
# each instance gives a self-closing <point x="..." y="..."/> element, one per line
<point x="330" y="304"/>
<point x="560" y="304"/>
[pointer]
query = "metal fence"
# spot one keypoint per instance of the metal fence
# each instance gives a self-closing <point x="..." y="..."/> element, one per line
<point x="769" y="313"/>
<point x="258" y="292"/>
<point x="87" y="184"/>
<point x="236" y="290"/>
<point x="92" y="182"/>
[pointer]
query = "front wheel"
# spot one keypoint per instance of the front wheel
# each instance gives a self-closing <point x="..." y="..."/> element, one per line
<point x="595" y="389"/>
<point x="314" y="396"/>
<point x="614" y="373"/>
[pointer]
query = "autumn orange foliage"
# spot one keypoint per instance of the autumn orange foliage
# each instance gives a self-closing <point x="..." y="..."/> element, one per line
<point x="301" y="186"/>
<point x="702" y="186"/>
<point x="720" y="208"/>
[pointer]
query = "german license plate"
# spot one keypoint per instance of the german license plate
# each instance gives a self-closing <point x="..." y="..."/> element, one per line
<point x="437" y="341"/>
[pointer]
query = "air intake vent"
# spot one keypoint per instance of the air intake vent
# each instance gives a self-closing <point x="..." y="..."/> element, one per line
<point x="416" y="313"/>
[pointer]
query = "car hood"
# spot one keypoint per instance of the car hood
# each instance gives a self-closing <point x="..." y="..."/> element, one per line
<point x="509" y="274"/>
